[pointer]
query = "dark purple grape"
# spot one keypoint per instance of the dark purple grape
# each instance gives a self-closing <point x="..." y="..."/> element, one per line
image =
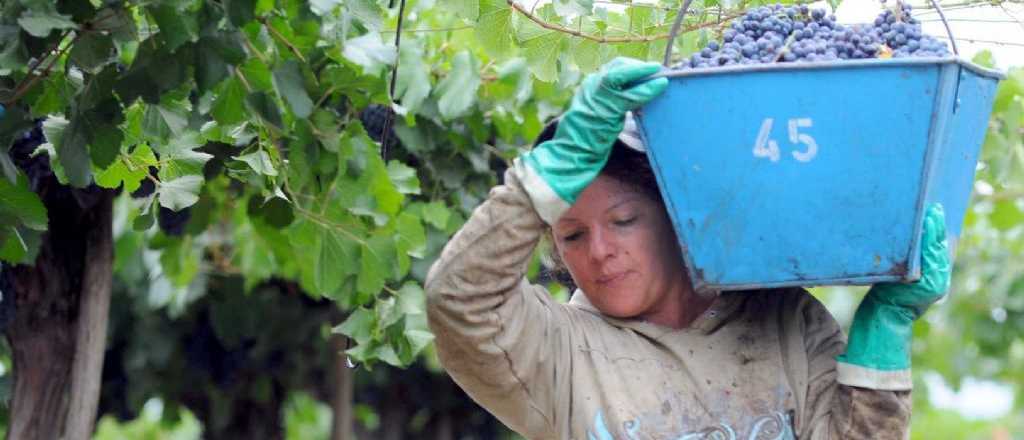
<point x="173" y="222"/>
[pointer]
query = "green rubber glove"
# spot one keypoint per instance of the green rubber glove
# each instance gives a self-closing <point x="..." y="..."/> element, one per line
<point x="878" y="352"/>
<point x="570" y="160"/>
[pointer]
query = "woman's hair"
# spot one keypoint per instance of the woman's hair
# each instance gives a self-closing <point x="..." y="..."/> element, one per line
<point x="625" y="165"/>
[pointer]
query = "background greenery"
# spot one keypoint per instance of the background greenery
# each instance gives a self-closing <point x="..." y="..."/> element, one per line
<point x="304" y="224"/>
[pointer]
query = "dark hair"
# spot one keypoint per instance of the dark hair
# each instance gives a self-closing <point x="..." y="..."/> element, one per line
<point x="625" y="165"/>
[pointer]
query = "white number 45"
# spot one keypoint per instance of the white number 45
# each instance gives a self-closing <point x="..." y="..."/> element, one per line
<point x="765" y="147"/>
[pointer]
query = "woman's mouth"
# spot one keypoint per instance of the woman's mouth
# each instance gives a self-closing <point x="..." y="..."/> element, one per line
<point x="612" y="278"/>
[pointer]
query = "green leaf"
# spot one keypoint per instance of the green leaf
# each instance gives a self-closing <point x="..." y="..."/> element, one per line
<point x="180" y="193"/>
<point x="257" y="74"/>
<point x="376" y="261"/>
<point x="71" y="149"/>
<point x="413" y="83"/>
<point x="229" y="105"/>
<point x="165" y="120"/>
<point x="40" y="23"/>
<point x="277" y="212"/>
<point x="176" y="27"/>
<point x="494" y="27"/>
<point x="418" y="339"/>
<point x="179" y="158"/>
<point x="411" y="299"/>
<point x="436" y="214"/>
<point x="210" y="66"/>
<point x="323" y="7"/>
<point x="56" y="95"/>
<point x="411" y="235"/>
<point x="19" y="202"/>
<point x="1006" y="215"/>
<point x="370" y="52"/>
<point x="241" y="12"/>
<point x="457" y="91"/>
<point x="359" y="325"/>
<point x="467" y="9"/>
<point x="387" y="354"/>
<point x="105" y="145"/>
<point x="93" y="51"/>
<point x="387" y="313"/>
<point x="589" y="55"/>
<point x="128" y="172"/>
<point x="573" y="8"/>
<point x="542" y="54"/>
<point x="335" y="261"/>
<point x="265" y="107"/>
<point x="289" y="84"/>
<point x="404" y="177"/>
<point x="19" y="245"/>
<point x="259" y="161"/>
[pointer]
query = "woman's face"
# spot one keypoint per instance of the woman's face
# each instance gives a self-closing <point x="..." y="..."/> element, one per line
<point x="621" y="250"/>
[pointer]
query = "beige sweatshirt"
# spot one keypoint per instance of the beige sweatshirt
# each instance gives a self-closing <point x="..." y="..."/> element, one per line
<point x="755" y="365"/>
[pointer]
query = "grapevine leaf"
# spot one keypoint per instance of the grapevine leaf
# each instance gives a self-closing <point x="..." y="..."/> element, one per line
<point x="229" y="105"/>
<point x="39" y="23"/>
<point x="494" y="27"/>
<point x="289" y="84"/>
<point x="403" y="177"/>
<point x="359" y="325"/>
<point x="180" y="193"/>
<point x="259" y="161"/>
<point x="93" y="51"/>
<point x="264" y="107"/>
<point x="179" y="157"/>
<point x="436" y="214"/>
<point x="413" y="82"/>
<point x="19" y="202"/>
<point x="370" y="52"/>
<point x="468" y="9"/>
<point x="411" y="235"/>
<point x="176" y="27"/>
<point x="542" y="54"/>
<point x="457" y="91"/>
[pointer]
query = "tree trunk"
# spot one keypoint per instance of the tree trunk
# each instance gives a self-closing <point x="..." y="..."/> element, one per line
<point x="341" y="425"/>
<point x="58" y="333"/>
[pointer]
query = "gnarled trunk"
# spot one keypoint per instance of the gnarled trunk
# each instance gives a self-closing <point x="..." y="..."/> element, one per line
<point x="58" y="333"/>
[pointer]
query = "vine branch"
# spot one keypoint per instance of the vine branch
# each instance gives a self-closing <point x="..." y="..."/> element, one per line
<point x="601" y="39"/>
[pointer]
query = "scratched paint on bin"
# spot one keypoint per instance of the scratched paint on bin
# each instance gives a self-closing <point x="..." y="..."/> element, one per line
<point x="804" y="179"/>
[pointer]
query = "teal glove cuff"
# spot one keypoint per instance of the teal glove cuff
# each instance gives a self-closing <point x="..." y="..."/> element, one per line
<point x="878" y="351"/>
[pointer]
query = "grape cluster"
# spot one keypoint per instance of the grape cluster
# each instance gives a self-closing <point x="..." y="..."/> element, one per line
<point x="778" y="33"/>
<point x="173" y="222"/>
<point x="375" y="119"/>
<point x="36" y="167"/>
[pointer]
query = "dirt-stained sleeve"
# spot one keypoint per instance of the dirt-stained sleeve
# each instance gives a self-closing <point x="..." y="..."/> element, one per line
<point x="835" y="411"/>
<point x="501" y="339"/>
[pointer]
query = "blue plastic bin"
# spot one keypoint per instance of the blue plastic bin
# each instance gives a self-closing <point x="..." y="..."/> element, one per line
<point x="815" y="173"/>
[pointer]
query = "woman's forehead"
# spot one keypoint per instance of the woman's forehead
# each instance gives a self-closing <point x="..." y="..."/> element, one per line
<point x="604" y="194"/>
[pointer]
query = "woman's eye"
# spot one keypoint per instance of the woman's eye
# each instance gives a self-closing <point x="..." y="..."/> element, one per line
<point x="572" y="237"/>
<point x="626" y="221"/>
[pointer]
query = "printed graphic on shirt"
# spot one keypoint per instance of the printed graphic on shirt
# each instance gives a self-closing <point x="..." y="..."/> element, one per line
<point x="775" y="426"/>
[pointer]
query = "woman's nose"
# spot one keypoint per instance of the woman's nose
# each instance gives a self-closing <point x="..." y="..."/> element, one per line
<point x="602" y="245"/>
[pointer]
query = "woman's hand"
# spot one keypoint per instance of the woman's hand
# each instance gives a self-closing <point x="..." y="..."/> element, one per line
<point x="878" y="352"/>
<point x="588" y="129"/>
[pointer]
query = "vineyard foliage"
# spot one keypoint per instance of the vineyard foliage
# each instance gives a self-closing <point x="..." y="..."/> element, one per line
<point x="274" y="125"/>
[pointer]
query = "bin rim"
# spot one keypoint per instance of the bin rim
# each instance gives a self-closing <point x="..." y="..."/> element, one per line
<point x="816" y="65"/>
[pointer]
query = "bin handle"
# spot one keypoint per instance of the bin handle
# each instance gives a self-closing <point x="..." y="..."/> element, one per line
<point x="675" y="30"/>
<point x="686" y="4"/>
<point x="952" y="41"/>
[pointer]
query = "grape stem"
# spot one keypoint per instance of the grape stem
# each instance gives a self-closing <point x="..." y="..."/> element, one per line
<point x="30" y="79"/>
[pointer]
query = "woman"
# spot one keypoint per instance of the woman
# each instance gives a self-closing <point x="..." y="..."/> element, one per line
<point x="636" y="353"/>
